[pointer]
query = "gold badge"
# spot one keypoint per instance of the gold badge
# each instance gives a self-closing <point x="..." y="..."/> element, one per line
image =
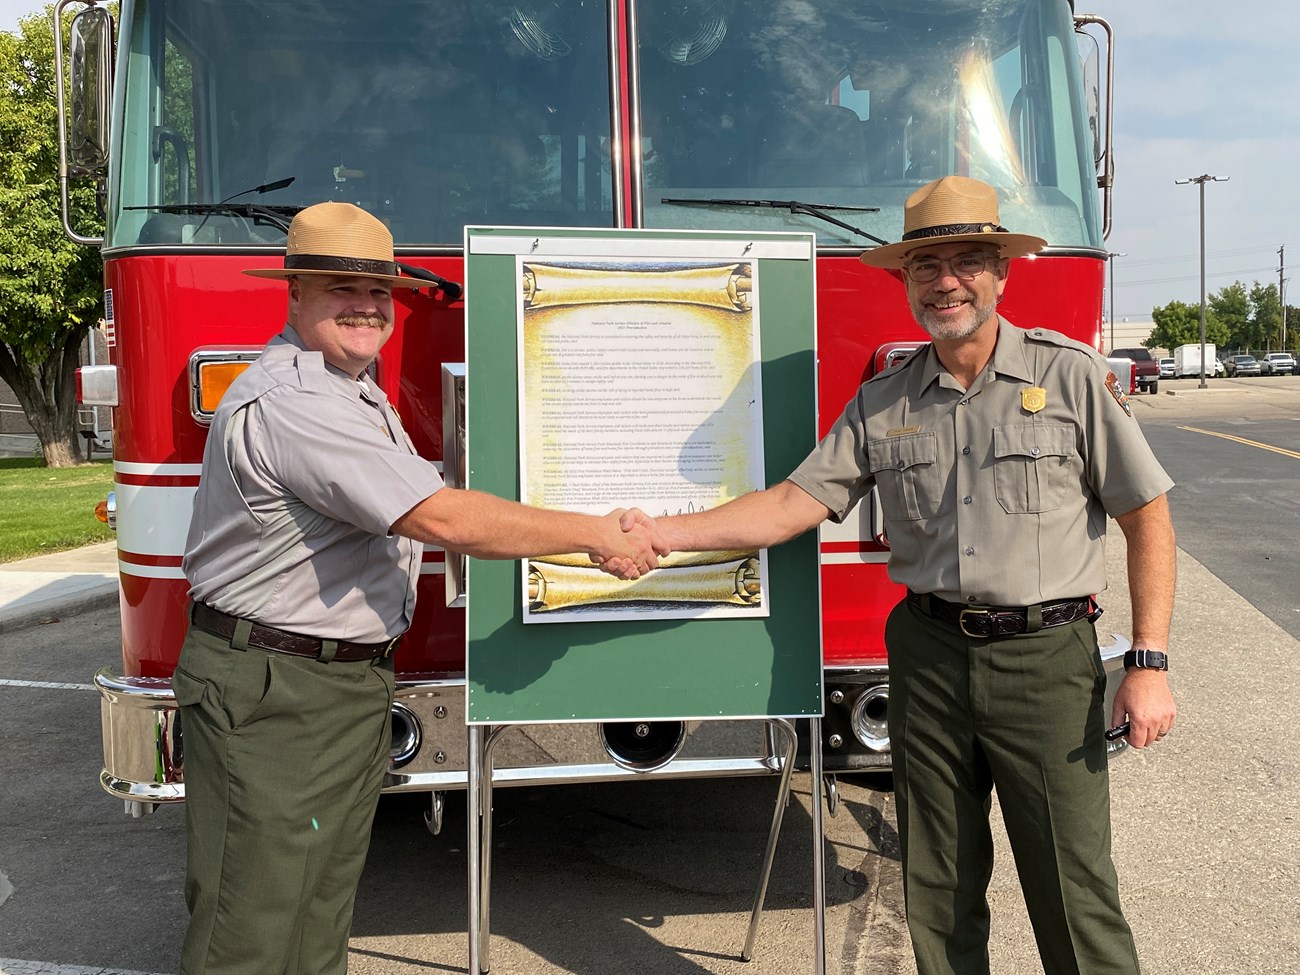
<point x="1033" y="398"/>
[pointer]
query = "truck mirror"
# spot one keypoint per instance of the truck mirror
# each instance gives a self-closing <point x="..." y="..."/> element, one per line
<point x="1090" y="68"/>
<point x="91" y="73"/>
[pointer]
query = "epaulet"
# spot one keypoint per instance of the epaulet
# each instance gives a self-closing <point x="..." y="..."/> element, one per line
<point x="1049" y="337"/>
<point x="898" y="368"/>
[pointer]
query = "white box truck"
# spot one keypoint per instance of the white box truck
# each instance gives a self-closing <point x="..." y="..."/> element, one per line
<point x="1187" y="360"/>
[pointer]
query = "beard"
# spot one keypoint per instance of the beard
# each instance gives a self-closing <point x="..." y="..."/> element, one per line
<point x="943" y="328"/>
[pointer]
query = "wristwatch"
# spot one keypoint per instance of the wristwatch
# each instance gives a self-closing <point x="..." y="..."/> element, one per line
<point x="1146" y="660"/>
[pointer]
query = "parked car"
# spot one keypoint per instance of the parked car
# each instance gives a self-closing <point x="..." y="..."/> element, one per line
<point x="1146" y="371"/>
<point x="1219" y="368"/>
<point x="1242" y="365"/>
<point x="1277" y="364"/>
<point x="1166" y="368"/>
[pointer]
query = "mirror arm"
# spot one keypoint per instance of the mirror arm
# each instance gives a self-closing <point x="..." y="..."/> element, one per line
<point x="1106" y="179"/>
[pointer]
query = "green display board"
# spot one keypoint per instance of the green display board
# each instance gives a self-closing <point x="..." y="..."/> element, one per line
<point x="569" y="665"/>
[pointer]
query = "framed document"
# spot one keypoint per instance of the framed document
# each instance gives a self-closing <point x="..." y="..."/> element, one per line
<point x="672" y="372"/>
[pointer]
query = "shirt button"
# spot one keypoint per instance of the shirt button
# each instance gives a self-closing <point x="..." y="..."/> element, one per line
<point x="970" y="599"/>
<point x="965" y="402"/>
<point x="965" y="450"/>
<point x="901" y="465"/>
<point x="1033" y="451"/>
<point x="966" y="500"/>
<point x="969" y="550"/>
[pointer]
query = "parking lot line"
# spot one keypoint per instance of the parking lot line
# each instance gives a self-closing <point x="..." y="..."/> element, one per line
<point x="1250" y="443"/>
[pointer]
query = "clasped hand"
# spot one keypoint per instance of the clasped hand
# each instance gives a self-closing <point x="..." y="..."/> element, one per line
<point x="632" y="544"/>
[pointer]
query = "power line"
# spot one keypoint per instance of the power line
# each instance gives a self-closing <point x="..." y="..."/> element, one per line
<point x="1121" y="283"/>
<point x="1148" y="261"/>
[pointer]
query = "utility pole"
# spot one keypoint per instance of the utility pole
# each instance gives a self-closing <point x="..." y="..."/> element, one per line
<point x="1201" y="181"/>
<point x="1281" y="290"/>
<point x="1110" y="259"/>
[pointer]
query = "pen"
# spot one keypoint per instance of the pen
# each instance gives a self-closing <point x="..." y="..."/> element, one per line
<point x="1117" y="732"/>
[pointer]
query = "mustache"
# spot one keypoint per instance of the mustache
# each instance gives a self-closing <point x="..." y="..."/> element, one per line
<point x="952" y="296"/>
<point x="362" y="321"/>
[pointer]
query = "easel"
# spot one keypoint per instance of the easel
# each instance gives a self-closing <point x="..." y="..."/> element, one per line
<point x="482" y="743"/>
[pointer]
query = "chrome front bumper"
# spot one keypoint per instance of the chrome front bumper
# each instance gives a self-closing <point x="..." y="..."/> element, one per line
<point x="144" y="751"/>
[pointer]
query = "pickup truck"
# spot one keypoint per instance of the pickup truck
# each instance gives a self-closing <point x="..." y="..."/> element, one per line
<point x="1146" y="370"/>
<point x="1277" y="364"/>
<point x="1242" y="365"/>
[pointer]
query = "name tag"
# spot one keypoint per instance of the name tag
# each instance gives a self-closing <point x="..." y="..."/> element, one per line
<point x="902" y="431"/>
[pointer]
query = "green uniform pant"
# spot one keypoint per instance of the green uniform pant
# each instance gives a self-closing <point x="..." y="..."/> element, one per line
<point x="284" y="757"/>
<point x="1021" y="714"/>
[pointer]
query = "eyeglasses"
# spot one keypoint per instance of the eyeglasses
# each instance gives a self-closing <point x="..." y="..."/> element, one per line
<point x="964" y="266"/>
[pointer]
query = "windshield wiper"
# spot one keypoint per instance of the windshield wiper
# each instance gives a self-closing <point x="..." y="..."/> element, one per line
<point x="817" y="210"/>
<point x="280" y="216"/>
<point x="273" y="214"/>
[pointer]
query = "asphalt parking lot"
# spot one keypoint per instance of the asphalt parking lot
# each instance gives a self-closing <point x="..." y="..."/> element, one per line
<point x="658" y="877"/>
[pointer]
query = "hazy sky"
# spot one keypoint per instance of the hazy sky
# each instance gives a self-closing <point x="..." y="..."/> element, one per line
<point x="1200" y="87"/>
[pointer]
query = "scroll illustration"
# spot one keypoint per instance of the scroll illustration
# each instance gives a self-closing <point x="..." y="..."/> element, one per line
<point x="641" y="387"/>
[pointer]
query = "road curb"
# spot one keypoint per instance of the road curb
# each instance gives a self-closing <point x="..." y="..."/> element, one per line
<point x="58" y="608"/>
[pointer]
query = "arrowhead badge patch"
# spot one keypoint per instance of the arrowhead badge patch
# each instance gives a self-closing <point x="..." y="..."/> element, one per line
<point x="1112" y="383"/>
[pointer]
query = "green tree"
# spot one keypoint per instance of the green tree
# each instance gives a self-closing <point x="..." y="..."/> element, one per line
<point x="1266" y="314"/>
<point x="1179" y="323"/>
<point x="1231" y="306"/>
<point x="50" y="288"/>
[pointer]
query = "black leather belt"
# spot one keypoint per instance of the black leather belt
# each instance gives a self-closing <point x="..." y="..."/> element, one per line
<point x="279" y="641"/>
<point x="984" y="622"/>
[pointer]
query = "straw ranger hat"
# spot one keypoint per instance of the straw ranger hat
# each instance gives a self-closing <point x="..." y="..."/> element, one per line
<point x="949" y="210"/>
<point x="343" y="240"/>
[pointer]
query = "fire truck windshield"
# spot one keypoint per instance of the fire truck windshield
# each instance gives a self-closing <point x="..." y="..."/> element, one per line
<point x="430" y="116"/>
<point x="859" y="104"/>
<point x="434" y="116"/>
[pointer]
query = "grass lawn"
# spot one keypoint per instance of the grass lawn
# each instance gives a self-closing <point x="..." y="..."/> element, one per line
<point x="45" y="509"/>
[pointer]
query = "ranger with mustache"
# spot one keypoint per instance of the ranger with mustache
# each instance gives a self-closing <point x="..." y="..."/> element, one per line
<point x="302" y="557"/>
<point x="998" y="453"/>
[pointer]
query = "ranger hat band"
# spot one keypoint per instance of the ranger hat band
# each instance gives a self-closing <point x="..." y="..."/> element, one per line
<point x="342" y="240"/>
<point x="953" y="209"/>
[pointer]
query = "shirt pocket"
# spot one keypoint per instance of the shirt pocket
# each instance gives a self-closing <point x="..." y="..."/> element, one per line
<point x="906" y="474"/>
<point x="1031" y="466"/>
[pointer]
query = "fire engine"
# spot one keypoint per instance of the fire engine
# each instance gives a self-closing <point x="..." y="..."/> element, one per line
<point x="208" y="125"/>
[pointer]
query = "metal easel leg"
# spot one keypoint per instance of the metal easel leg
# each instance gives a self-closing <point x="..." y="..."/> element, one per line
<point x="819" y="848"/>
<point x="782" y="800"/>
<point x="491" y="737"/>
<point x="474" y="836"/>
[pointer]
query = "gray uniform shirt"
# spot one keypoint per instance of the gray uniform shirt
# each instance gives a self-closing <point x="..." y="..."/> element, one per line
<point x="304" y="471"/>
<point x="985" y="501"/>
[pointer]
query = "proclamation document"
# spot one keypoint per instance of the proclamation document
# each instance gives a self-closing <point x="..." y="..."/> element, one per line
<point x="640" y="388"/>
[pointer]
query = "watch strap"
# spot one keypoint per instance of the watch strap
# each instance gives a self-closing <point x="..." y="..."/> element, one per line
<point x="1146" y="660"/>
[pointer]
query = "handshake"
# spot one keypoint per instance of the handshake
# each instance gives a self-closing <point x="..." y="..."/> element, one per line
<point x="630" y="544"/>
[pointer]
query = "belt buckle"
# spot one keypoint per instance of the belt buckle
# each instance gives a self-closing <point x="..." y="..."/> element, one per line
<point x="390" y="646"/>
<point x="961" y="622"/>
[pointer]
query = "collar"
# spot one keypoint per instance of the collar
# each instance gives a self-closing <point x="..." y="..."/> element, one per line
<point x="314" y="372"/>
<point x="1009" y="359"/>
<point x="1010" y="355"/>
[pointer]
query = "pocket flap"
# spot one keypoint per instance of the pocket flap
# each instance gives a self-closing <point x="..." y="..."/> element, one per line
<point x="900" y="453"/>
<point x="1034" y="440"/>
<point x="188" y="690"/>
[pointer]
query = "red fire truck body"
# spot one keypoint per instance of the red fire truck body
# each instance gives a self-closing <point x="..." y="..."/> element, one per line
<point x="599" y="114"/>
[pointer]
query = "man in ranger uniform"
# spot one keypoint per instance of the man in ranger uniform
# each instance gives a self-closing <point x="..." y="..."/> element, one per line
<point x="997" y="452"/>
<point x="302" y="557"/>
